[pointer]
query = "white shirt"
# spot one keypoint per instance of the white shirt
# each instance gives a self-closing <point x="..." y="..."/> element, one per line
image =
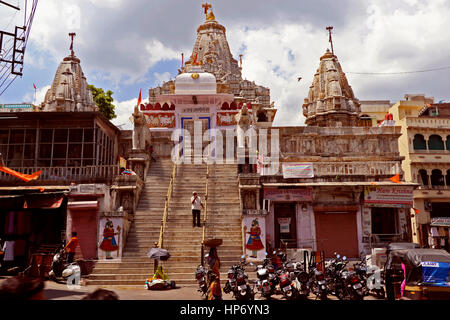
<point x="197" y="205"/>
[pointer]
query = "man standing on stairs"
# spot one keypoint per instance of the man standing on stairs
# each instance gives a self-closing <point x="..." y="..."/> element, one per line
<point x="197" y="205"/>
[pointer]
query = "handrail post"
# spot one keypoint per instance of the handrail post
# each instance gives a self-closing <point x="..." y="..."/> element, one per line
<point x="205" y="216"/>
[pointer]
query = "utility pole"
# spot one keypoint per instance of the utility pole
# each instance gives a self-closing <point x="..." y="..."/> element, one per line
<point x="330" y="38"/>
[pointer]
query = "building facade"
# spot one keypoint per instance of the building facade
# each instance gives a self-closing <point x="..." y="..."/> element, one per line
<point x="424" y="144"/>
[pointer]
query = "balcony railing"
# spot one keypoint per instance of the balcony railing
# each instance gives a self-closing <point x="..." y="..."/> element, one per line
<point x="65" y="174"/>
<point x="357" y="168"/>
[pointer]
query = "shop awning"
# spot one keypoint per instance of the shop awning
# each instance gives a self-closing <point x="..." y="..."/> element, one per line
<point x="43" y="202"/>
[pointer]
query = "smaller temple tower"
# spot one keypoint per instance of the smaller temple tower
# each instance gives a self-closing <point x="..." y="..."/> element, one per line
<point x="69" y="91"/>
<point x="330" y="101"/>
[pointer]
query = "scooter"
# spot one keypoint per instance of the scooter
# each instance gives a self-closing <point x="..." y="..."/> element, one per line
<point x="61" y="271"/>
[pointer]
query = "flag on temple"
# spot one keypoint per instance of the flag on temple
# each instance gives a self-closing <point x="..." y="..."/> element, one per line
<point x="195" y="59"/>
<point x="122" y="162"/>
<point x="140" y="98"/>
<point x="24" y="177"/>
<point x="34" y="86"/>
<point x="395" y="178"/>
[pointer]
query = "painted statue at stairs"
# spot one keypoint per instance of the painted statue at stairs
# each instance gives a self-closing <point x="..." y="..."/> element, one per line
<point x="254" y="242"/>
<point x="109" y="243"/>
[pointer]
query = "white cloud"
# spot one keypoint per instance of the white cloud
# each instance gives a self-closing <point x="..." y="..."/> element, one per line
<point x="40" y="95"/>
<point x="123" y="110"/>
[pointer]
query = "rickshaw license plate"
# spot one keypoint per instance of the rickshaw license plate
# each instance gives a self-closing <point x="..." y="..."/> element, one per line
<point x="357" y="286"/>
<point x="286" y="289"/>
<point x="242" y="287"/>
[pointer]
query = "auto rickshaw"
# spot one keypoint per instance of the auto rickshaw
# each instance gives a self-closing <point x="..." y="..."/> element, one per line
<point x="427" y="274"/>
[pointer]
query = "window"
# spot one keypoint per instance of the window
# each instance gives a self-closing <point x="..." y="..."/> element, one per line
<point x="437" y="179"/>
<point x="435" y="143"/>
<point x="419" y="142"/>
<point x="423" y="176"/>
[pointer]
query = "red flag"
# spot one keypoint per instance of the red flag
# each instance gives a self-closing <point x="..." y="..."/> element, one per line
<point x="195" y="59"/>
<point x="416" y="211"/>
<point x="34" y="86"/>
<point x="395" y="178"/>
<point x="24" y="177"/>
<point x="139" y="99"/>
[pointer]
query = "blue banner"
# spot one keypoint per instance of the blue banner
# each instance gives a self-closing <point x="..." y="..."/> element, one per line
<point x="436" y="273"/>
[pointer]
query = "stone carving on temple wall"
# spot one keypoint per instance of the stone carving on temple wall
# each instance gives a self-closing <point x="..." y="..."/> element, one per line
<point x="249" y="199"/>
<point x="243" y="117"/>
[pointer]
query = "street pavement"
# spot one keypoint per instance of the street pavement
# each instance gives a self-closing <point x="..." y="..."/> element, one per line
<point x="58" y="291"/>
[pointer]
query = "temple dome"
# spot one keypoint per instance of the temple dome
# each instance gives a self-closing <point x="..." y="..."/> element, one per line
<point x="196" y="81"/>
<point x="330" y="101"/>
<point x="69" y="90"/>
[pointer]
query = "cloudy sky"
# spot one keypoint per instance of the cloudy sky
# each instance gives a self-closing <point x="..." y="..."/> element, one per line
<point x="126" y="45"/>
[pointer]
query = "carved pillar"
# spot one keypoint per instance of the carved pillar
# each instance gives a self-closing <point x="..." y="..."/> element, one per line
<point x="140" y="161"/>
<point x="127" y="191"/>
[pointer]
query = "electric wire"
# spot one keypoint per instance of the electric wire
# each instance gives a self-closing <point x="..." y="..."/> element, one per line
<point x="401" y="72"/>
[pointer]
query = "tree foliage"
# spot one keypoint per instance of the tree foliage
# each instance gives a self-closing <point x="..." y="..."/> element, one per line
<point x="104" y="101"/>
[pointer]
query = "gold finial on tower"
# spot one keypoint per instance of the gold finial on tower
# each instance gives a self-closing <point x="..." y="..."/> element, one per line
<point x="206" y="6"/>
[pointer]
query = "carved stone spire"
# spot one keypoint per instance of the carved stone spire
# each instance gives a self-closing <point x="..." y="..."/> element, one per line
<point x="212" y="52"/>
<point x="330" y="101"/>
<point x="69" y="90"/>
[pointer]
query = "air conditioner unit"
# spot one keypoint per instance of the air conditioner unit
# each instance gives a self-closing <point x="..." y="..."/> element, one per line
<point x="428" y="206"/>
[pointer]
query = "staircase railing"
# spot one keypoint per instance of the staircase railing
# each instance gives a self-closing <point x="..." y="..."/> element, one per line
<point x="166" y="207"/>
<point x="205" y="216"/>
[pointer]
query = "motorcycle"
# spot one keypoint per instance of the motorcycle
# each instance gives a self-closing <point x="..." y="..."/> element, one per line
<point x="372" y="280"/>
<point x="266" y="279"/>
<point x="345" y="285"/>
<point x="287" y="287"/>
<point x="353" y="288"/>
<point x="334" y="270"/>
<point x="200" y="276"/>
<point x="61" y="271"/>
<point x="318" y="284"/>
<point x="238" y="282"/>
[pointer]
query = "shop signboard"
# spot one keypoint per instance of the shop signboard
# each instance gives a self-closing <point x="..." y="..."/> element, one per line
<point x="300" y="194"/>
<point x="387" y="196"/>
<point x="298" y="170"/>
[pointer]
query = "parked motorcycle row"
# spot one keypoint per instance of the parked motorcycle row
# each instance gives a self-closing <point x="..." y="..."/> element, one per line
<point x="297" y="280"/>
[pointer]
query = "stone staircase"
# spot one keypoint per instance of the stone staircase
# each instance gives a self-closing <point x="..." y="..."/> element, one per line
<point x="135" y="266"/>
<point x="180" y="238"/>
<point x="224" y="220"/>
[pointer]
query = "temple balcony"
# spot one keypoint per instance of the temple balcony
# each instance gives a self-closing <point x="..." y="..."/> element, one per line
<point x="63" y="175"/>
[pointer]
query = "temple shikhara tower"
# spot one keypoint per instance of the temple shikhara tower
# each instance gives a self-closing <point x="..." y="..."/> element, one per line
<point x="330" y="101"/>
<point x="69" y="91"/>
<point x="214" y="77"/>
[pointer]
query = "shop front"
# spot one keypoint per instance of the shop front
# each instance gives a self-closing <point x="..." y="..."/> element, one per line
<point x="289" y="222"/>
<point x="386" y="215"/>
<point x="336" y="229"/>
<point x="31" y="223"/>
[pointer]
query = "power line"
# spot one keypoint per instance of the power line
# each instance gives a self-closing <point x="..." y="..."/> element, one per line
<point x="402" y="72"/>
